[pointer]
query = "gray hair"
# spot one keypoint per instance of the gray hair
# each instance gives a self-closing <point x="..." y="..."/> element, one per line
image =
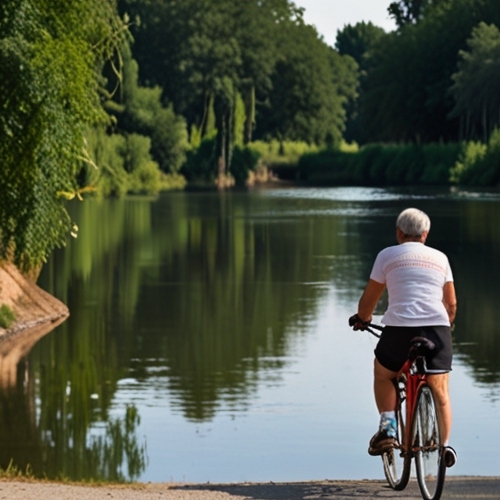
<point x="413" y="222"/>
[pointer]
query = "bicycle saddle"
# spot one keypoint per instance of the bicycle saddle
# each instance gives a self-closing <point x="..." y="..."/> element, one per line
<point x="420" y="346"/>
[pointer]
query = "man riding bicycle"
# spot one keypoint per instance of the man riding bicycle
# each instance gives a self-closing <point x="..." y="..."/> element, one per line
<point x="421" y="303"/>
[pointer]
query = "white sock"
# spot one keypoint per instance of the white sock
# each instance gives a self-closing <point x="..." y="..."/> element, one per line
<point x="388" y="422"/>
<point x="387" y="415"/>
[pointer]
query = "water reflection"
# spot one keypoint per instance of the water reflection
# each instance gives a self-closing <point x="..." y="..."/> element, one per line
<point x="15" y="347"/>
<point x="205" y="298"/>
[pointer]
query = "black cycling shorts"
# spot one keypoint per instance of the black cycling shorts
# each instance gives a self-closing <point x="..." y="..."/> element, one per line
<point x="394" y="344"/>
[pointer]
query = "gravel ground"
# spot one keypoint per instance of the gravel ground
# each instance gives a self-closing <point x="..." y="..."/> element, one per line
<point x="469" y="488"/>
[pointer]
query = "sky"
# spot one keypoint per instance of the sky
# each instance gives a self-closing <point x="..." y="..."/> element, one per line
<point x="329" y="16"/>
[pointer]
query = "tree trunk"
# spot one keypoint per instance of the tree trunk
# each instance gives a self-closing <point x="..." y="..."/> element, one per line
<point x="249" y="101"/>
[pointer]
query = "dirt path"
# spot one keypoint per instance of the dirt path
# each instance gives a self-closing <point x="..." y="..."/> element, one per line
<point x="469" y="488"/>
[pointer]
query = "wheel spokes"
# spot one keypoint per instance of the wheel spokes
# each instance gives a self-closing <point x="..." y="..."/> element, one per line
<point x="426" y="447"/>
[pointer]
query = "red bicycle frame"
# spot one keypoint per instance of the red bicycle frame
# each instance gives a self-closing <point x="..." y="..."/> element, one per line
<point x="408" y="383"/>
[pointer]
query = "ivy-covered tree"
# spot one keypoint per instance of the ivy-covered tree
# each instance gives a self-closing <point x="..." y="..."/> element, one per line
<point x="51" y="58"/>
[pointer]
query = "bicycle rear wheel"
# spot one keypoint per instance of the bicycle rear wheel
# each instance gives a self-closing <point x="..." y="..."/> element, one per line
<point x="427" y="447"/>
<point x="397" y="462"/>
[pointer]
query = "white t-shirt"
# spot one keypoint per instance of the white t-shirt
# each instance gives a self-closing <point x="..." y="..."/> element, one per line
<point x="414" y="275"/>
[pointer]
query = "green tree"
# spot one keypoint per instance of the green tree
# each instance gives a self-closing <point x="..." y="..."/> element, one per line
<point x="141" y="111"/>
<point x="311" y="85"/>
<point x="258" y="25"/>
<point x="358" y="41"/>
<point x="409" y="11"/>
<point x="475" y="84"/>
<point x="406" y="96"/>
<point x="51" y="59"/>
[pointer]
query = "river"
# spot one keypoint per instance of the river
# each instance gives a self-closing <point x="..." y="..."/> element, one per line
<point x="208" y="338"/>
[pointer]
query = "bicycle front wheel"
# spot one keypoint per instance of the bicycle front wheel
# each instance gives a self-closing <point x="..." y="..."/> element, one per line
<point x="427" y="448"/>
<point x="397" y="462"/>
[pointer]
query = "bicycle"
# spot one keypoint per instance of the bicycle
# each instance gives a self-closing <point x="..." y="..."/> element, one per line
<point x="418" y="435"/>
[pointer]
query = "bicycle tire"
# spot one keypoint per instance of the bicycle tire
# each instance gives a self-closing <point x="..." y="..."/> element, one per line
<point x="397" y="462"/>
<point x="427" y="449"/>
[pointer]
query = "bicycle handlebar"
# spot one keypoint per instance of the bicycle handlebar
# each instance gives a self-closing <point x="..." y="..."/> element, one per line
<point x="358" y="324"/>
<point x="369" y="327"/>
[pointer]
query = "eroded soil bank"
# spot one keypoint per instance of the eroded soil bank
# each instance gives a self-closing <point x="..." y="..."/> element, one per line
<point x="36" y="314"/>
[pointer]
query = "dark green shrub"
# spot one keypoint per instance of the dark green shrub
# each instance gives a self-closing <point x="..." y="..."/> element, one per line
<point x="379" y="165"/>
<point x="416" y="166"/>
<point x="439" y="160"/>
<point x="327" y="166"/>
<point x="364" y="161"/>
<point x="200" y="165"/>
<point x="243" y="161"/>
<point x="487" y="170"/>
<point x="405" y="166"/>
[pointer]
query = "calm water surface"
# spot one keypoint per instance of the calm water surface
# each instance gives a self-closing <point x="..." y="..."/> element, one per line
<point x="208" y="338"/>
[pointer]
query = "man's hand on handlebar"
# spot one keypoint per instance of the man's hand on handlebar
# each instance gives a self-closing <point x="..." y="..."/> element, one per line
<point x="357" y="323"/>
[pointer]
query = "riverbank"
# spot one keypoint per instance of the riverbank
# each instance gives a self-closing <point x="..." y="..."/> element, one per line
<point x="32" y="306"/>
<point x="479" y="488"/>
<point x="35" y="313"/>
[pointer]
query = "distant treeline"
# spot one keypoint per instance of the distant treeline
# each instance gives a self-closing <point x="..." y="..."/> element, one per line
<point x="269" y="76"/>
<point x="468" y="163"/>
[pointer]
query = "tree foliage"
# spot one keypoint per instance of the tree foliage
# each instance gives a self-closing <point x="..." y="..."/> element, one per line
<point x="140" y="111"/>
<point x="359" y="42"/>
<point x="210" y="56"/>
<point x="476" y="82"/>
<point x="407" y="95"/>
<point x="406" y="12"/>
<point x="311" y="86"/>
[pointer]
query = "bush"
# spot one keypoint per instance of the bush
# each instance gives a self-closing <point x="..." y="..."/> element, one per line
<point x="173" y="182"/>
<point x="143" y="173"/>
<point x="7" y="316"/>
<point x="471" y="154"/>
<point x="200" y="165"/>
<point x="287" y="152"/>
<point x="416" y="166"/>
<point x="479" y="164"/>
<point x="406" y="165"/>
<point x="380" y="165"/>
<point x="439" y="160"/>
<point x="362" y="164"/>
<point x="146" y="179"/>
<point x="111" y="176"/>
<point x="323" y="166"/>
<point x="169" y="140"/>
<point x="122" y="164"/>
<point x="243" y="161"/>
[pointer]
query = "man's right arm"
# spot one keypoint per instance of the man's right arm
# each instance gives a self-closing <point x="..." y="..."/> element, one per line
<point x="450" y="300"/>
